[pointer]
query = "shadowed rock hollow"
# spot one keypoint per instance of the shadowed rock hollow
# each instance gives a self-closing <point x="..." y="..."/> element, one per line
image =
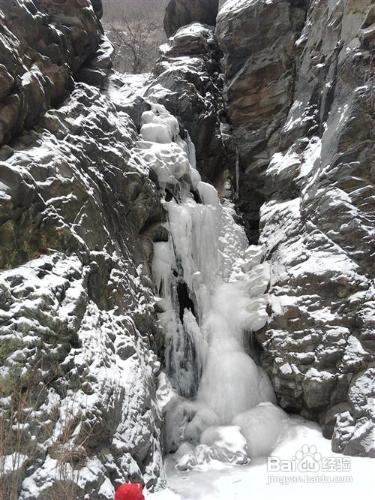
<point x="182" y="12"/>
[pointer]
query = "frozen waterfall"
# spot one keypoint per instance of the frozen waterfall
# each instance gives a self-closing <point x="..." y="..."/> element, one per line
<point x="217" y="402"/>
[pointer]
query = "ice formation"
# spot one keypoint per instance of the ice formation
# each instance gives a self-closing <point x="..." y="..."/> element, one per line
<point x="212" y="296"/>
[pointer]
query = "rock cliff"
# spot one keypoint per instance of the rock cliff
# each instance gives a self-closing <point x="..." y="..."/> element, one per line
<point x="300" y="97"/>
<point x="78" y="214"/>
<point x="77" y="321"/>
<point x="43" y="46"/>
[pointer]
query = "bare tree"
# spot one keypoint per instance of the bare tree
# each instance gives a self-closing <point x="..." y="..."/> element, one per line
<point x="132" y="42"/>
<point x="135" y="28"/>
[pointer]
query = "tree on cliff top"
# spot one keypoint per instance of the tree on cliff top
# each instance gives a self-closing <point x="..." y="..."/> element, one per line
<point x="135" y="28"/>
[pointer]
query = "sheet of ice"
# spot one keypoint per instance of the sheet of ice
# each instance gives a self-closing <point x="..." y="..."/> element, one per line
<point x="230" y="380"/>
<point x="218" y="481"/>
<point x="213" y="289"/>
<point x="159" y="126"/>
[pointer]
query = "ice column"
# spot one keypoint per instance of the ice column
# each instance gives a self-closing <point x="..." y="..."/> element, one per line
<point x="212" y="295"/>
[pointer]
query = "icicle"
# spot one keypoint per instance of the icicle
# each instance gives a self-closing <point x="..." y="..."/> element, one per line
<point x="237" y="191"/>
<point x="212" y="288"/>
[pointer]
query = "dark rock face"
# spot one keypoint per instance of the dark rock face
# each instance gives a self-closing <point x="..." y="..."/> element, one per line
<point x="300" y="96"/>
<point x="98" y="7"/>
<point x="188" y="82"/>
<point x="182" y="12"/>
<point x="258" y="41"/>
<point x="43" y="44"/>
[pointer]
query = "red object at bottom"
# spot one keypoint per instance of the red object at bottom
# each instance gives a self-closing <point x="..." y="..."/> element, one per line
<point x="131" y="491"/>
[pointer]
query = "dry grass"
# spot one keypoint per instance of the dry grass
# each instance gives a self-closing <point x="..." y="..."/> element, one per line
<point x="18" y="449"/>
<point x="70" y="452"/>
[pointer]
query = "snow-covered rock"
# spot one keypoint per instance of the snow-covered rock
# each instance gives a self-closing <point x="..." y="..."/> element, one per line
<point x="187" y="80"/>
<point x="300" y="97"/>
<point x="43" y="46"/>
<point x="77" y="322"/>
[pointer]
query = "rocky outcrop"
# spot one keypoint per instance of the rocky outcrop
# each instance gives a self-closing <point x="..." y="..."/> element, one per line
<point x="300" y="97"/>
<point x="258" y="41"/>
<point x="78" y="214"/>
<point x="188" y="82"/>
<point x="182" y="12"/>
<point x="77" y="323"/>
<point x="43" y="46"/>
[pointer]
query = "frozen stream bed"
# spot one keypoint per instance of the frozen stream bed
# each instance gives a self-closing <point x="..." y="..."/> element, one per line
<point x="334" y="477"/>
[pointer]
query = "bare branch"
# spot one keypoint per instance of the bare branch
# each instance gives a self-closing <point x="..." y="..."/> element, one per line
<point x="136" y="32"/>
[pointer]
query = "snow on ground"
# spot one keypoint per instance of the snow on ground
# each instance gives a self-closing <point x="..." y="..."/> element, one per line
<point x="333" y="476"/>
<point x="133" y="86"/>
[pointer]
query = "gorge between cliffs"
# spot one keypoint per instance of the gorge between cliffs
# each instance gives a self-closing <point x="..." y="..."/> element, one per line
<point x="187" y="295"/>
